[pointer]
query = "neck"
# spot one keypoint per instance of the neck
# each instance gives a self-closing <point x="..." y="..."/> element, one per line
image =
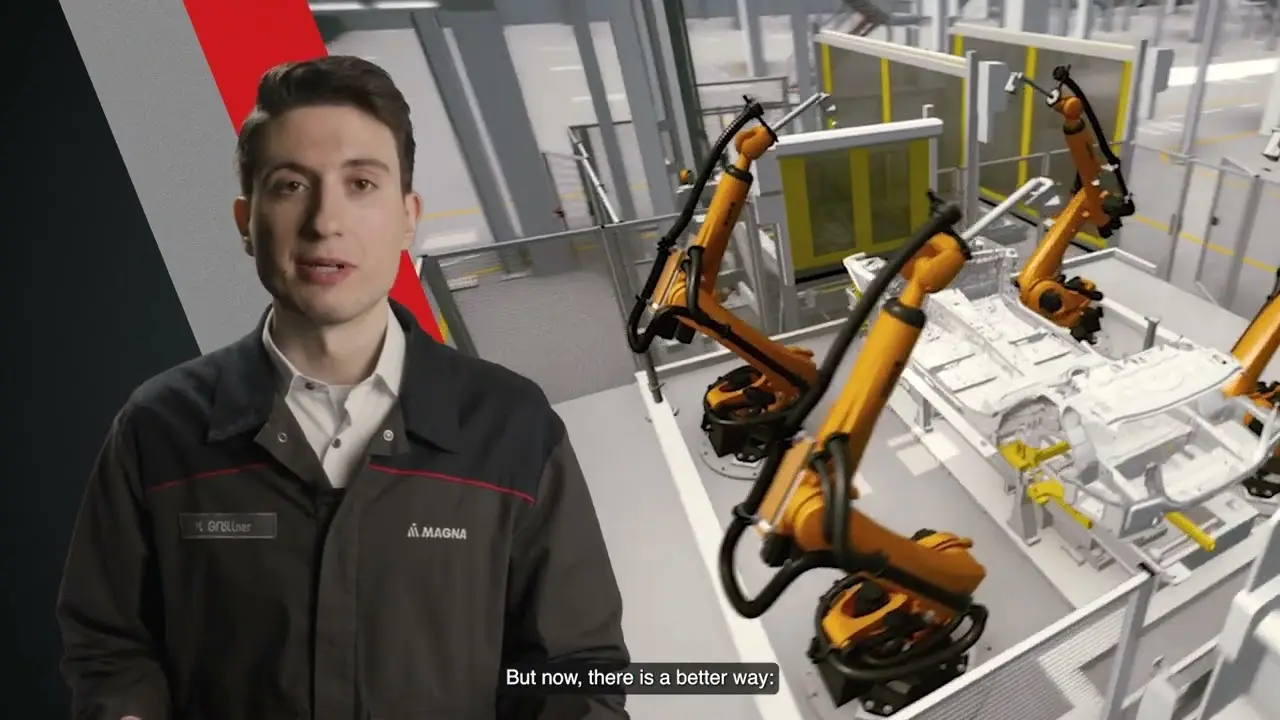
<point x="342" y="354"/>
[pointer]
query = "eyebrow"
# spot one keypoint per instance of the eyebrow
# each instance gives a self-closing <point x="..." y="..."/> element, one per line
<point x="360" y="162"/>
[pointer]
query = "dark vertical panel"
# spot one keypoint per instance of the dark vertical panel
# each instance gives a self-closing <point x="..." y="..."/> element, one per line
<point x="89" y="312"/>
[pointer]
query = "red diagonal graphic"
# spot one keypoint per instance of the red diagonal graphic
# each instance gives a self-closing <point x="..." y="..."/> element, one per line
<point x="241" y="40"/>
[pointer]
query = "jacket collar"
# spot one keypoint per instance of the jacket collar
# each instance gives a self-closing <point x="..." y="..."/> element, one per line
<point x="247" y="385"/>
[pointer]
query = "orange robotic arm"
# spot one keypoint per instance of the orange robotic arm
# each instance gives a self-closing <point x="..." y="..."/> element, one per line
<point x="1069" y="303"/>
<point x="741" y="408"/>
<point x="688" y="280"/>
<point x="803" y="498"/>
<point x="1257" y="345"/>
<point x="1254" y="350"/>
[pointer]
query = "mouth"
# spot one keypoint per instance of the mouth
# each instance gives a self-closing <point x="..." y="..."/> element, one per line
<point x="323" y="266"/>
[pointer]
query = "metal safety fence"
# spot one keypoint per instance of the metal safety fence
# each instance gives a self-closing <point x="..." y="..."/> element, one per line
<point x="565" y="171"/>
<point x="561" y="327"/>
<point x="562" y="323"/>
<point x="719" y="101"/>
<point x="1207" y="227"/>
<point x="1045" y="676"/>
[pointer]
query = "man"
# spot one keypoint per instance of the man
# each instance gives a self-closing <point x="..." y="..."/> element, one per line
<point x="334" y="517"/>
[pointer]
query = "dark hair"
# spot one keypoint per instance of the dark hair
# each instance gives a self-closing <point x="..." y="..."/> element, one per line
<point x="332" y="80"/>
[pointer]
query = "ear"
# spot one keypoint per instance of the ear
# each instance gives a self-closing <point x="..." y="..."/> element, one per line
<point x="240" y="209"/>
<point x="412" y="214"/>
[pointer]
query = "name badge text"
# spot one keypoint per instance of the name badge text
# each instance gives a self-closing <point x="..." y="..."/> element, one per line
<point x="227" y="526"/>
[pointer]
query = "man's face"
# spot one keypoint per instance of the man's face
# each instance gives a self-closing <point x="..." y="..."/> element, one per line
<point x="327" y="220"/>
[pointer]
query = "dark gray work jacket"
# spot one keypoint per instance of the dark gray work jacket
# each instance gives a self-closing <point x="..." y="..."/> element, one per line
<point x="215" y="574"/>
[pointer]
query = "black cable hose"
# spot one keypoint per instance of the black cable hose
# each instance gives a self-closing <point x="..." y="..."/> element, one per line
<point x="744" y="514"/>
<point x="640" y="341"/>
<point x="1062" y="75"/>
<point x="837" y="503"/>
<point x="694" y="283"/>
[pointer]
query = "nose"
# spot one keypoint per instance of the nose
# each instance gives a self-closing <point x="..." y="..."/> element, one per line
<point x="327" y="216"/>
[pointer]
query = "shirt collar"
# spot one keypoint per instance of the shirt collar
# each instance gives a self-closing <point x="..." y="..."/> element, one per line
<point x="430" y="396"/>
<point x="389" y="370"/>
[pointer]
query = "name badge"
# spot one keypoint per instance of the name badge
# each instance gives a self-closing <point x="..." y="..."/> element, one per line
<point x="227" y="526"/>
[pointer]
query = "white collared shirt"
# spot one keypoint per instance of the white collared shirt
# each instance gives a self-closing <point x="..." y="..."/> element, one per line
<point x="339" y="420"/>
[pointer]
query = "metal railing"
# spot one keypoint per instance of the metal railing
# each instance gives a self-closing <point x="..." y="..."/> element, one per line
<point x="562" y="327"/>
<point x="1206" y="226"/>
<point x="720" y="100"/>
<point x="1042" y="677"/>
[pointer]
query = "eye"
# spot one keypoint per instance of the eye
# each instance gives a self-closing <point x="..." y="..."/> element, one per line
<point x="287" y="187"/>
<point x="363" y="185"/>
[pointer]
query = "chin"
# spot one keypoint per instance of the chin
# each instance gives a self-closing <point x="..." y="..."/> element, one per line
<point x="331" y="311"/>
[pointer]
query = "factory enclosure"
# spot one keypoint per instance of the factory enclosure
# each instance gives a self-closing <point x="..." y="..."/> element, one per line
<point x="1207" y="227"/>
<point x="817" y="204"/>
<point x="1028" y="130"/>
<point x="872" y="81"/>
<point x="1096" y="658"/>
<point x="818" y="189"/>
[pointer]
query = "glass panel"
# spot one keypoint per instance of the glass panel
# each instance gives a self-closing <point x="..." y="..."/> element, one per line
<point x="829" y="178"/>
<point x="1157" y="182"/>
<point x="1223" y="233"/>
<point x="890" y="180"/>
<point x="910" y="89"/>
<point x="855" y="87"/>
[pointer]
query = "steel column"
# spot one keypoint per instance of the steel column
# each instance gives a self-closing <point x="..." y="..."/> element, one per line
<point x="1201" y="22"/>
<point x="684" y="79"/>
<point x="457" y="108"/>
<point x="1204" y="55"/>
<point x="973" y="153"/>
<point x="655" y="18"/>
<point x="578" y="20"/>
<point x="644" y="117"/>
<point x="941" y="25"/>
<point x="1084" y="17"/>
<point x="802" y="61"/>
<point x="749" y="24"/>
<point x="487" y="62"/>
<point x="1027" y="15"/>
<point x="1135" y="618"/>
<point x="1164" y="8"/>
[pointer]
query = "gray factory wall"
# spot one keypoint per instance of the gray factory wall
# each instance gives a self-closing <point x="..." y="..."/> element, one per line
<point x="451" y="208"/>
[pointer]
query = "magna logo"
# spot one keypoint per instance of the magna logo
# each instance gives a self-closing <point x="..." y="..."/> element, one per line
<point x="436" y="533"/>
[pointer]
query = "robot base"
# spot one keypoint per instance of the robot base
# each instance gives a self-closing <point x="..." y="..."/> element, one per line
<point x="740" y="439"/>
<point x="885" y="699"/>
<point x="1263" y="486"/>
<point x="727" y="465"/>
